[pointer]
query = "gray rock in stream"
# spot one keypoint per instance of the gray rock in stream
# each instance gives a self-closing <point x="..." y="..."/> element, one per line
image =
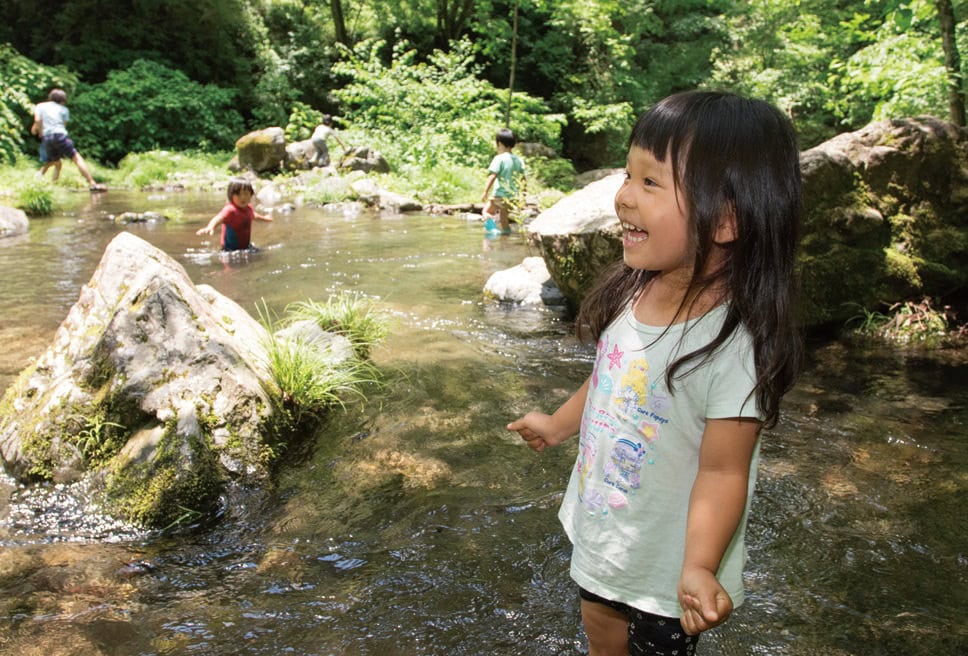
<point x="528" y="283"/>
<point x="153" y="385"/>
<point x="12" y="222"/>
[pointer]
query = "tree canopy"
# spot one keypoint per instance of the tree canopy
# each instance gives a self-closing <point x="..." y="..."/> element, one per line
<point x="177" y="74"/>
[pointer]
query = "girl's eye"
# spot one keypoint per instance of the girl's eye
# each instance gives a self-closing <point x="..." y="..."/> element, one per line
<point x="649" y="182"/>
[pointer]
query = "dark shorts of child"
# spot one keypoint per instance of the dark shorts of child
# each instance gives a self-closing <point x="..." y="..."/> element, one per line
<point x="58" y="146"/>
<point x="649" y="635"/>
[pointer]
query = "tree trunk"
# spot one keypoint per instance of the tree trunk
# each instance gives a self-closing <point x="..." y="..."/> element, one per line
<point x="952" y="61"/>
<point x="452" y="17"/>
<point x="514" y="62"/>
<point x="339" y="23"/>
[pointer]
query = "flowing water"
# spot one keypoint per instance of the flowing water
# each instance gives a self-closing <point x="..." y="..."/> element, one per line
<point x="417" y="525"/>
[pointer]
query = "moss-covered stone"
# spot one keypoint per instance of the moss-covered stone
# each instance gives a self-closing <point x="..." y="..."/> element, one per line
<point x="262" y="150"/>
<point x="158" y="489"/>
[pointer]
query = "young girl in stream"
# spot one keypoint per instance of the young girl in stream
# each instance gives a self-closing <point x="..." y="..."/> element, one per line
<point x="235" y="217"/>
<point x="697" y="344"/>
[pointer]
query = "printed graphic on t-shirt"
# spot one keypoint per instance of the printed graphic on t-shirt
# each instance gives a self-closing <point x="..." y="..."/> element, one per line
<point x="625" y="412"/>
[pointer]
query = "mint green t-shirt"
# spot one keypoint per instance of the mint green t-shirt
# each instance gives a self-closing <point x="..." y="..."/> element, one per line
<point x="626" y="504"/>
<point x="509" y="168"/>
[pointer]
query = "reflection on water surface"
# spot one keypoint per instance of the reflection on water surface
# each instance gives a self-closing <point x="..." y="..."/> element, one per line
<point x="417" y="525"/>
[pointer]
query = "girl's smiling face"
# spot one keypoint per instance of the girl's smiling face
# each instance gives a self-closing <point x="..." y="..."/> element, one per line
<point x="655" y="225"/>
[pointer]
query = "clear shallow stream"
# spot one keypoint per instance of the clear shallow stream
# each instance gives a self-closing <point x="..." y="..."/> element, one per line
<point x="417" y="525"/>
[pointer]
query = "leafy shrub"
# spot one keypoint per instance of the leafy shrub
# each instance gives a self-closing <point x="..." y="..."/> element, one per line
<point x="302" y="121"/>
<point x="556" y="173"/>
<point x="25" y="83"/>
<point x="438" y="112"/>
<point x="150" y="106"/>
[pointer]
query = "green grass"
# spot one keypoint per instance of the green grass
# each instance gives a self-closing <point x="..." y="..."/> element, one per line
<point x="908" y="322"/>
<point x="346" y="314"/>
<point x="328" y="190"/>
<point x="449" y="184"/>
<point x="308" y="381"/>
<point x="21" y="188"/>
<point x="35" y="197"/>
<point x="159" y="168"/>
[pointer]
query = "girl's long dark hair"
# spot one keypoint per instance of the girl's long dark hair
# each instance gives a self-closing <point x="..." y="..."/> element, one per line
<point x="728" y="154"/>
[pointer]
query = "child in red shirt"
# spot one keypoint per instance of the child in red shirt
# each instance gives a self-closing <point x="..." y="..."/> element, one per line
<point x="235" y="218"/>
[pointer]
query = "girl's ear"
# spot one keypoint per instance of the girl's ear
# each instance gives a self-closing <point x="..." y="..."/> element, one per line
<point x="726" y="231"/>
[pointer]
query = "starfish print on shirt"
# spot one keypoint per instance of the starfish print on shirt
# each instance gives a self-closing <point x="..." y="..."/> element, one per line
<point x="615" y="358"/>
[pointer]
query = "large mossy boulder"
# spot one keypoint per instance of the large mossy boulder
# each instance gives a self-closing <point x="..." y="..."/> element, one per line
<point x="152" y="385"/>
<point x="579" y="236"/>
<point x="262" y="150"/>
<point x="885" y="219"/>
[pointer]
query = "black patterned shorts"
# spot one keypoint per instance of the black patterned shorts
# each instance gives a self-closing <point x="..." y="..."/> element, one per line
<point x="649" y="635"/>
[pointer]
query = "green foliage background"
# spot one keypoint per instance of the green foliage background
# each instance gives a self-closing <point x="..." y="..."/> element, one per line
<point x="430" y="85"/>
<point x="24" y="83"/>
<point x="437" y="112"/>
<point x="148" y="106"/>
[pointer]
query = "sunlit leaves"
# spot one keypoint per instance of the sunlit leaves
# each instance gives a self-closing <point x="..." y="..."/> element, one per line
<point x="24" y="83"/>
<point x="436" y="111"/>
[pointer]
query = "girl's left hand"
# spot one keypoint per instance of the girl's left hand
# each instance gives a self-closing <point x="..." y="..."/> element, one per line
<point x="705" y="603"/>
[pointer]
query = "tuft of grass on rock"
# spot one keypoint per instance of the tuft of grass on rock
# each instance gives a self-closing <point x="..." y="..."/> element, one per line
<point x="347" y="314"/>
<point x="308" y="381"/>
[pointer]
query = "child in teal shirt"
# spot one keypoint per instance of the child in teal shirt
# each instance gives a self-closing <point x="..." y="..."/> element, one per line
<point x="507" y="169"/>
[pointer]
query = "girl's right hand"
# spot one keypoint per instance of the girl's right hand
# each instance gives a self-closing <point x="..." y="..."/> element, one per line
<point x="538" y="430"/>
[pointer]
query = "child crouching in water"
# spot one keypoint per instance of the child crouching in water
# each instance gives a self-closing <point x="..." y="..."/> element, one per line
<point x="235" y="218"/>
<point x="697" y="344"/>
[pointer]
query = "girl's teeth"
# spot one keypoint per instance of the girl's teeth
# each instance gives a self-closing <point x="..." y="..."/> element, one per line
<point x="633" y="234"/>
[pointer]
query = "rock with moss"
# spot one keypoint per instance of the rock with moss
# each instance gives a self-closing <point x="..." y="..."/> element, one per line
<point x="262" y="150"/>
<point x="152" y="385"/>
<point x="579" y="236"/>
<point x="362" y="158"/>
<point x="885" y="219"/>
